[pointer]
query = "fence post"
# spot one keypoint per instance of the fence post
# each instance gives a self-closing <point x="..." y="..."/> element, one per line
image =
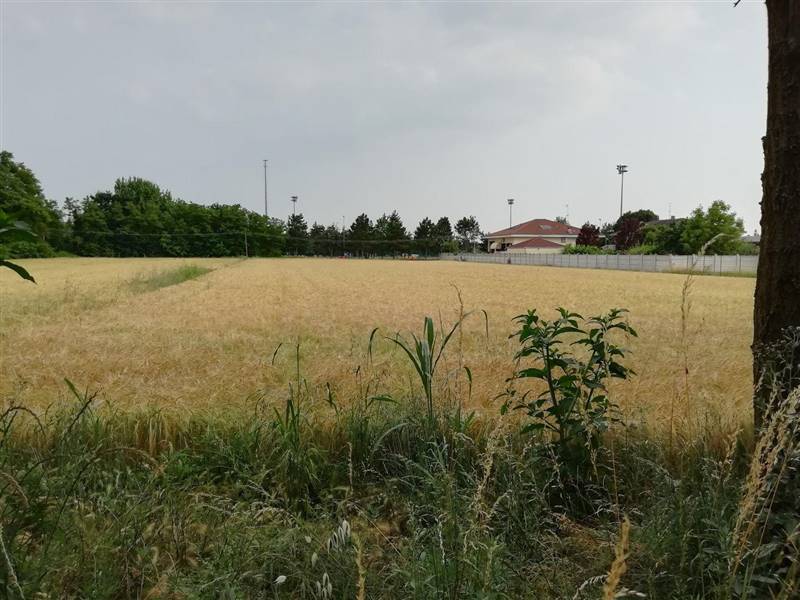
<point x="739" y="260"/>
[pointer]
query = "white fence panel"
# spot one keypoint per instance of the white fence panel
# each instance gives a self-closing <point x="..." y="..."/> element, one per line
<point x="625" y="262"/>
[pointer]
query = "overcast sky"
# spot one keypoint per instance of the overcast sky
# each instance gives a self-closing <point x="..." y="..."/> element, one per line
<point x="430" y="109"/>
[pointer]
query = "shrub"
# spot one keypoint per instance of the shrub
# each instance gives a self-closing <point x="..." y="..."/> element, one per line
<point x="574" y="405"/>
<point x="642" y="249"/>
<point x="581" y="249"/>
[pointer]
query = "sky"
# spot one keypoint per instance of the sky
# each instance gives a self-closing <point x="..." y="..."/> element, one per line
<point x="434" y="109"/>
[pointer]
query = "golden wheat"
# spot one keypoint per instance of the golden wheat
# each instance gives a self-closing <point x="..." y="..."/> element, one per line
<point x="209" y="342"/>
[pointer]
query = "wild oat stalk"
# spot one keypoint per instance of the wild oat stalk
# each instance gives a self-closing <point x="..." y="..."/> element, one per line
<point x="619" y="566"/>
<point x="778" y="442"/>
<point x="686" y="309"/>
<point x="12" y="577"/>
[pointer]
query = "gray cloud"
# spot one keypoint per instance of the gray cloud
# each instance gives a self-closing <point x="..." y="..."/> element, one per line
<point x="431" y="109"/>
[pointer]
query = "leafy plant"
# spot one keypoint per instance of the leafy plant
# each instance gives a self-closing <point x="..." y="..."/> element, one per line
<point x="574" y="404"/>
<point x="424" y="354"/>
<point x="15" y="231"/>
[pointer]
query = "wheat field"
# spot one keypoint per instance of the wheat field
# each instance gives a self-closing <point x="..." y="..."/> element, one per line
<point x="210" y="343"/>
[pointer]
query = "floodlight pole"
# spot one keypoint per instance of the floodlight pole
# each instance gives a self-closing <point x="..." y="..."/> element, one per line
<point x="294" y="204"/>
<point x="266" y="204"/>
<point x="621" y="169"/>
<point x="510" y="204"/>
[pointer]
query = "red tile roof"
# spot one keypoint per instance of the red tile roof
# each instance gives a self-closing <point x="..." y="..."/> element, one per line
<point x="537" y="243"/>
<point x="537" y="227"/>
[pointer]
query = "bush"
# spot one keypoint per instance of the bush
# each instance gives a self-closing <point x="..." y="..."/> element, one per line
<point x="32" y="249"/>
<point x="574" y="405"/>
<point x="580" y="249"/>
<point x="642" y="249"/>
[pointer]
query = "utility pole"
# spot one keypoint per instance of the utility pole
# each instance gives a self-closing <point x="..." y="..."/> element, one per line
<point x="294" y="204"/>
<point x="621" y="169"/>
<point x="266" y="204"/>
<point x="510" y="204"/>
<point x="342" y="235"/>
<point x="246" y="225"/>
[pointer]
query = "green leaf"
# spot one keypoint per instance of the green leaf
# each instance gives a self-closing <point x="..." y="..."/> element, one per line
<point x="532" y="372"/>
<point x="19" y="270"/>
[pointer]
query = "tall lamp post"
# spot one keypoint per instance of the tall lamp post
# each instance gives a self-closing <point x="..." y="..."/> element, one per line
<point x="266" y="204"/>
<point x="510" y="204"/>
<point x="621" y="169"/>
<point x="294" y="204"/>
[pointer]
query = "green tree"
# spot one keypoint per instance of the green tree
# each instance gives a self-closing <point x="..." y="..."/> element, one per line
<point x="667" y="238"/>
<point x="297" y="239"/>
<point x="391" y="234"/>
<point x="425" y="237"/>
<point x="336" y="238"/>
<point x="717" y="222"/>
<point x="138" y="218"/>
<point x="444" y="236"/>
<point x="22" y="199"/>
<point x="607" y="233"/>
<point x="469" y="233"/>
<point x="361" y="236"/>
<point x="316" y="237"/>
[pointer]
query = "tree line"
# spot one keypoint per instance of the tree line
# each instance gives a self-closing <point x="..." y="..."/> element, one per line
<point x="714" y="230"/>
<point x="138" y="218"/>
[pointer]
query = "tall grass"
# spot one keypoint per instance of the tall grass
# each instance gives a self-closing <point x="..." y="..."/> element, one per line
<point x="324" y="499"/>
<point x="155" y="280"/>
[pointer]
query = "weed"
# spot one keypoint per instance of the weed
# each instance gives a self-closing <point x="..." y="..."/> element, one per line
<point x="574" y="404"/>
<point x="161" y="279"/>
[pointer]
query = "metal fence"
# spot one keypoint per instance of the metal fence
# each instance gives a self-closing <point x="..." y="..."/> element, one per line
<point x="625" y="262"/>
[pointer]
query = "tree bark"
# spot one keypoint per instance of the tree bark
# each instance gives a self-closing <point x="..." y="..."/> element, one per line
<point x="777" y="296"/>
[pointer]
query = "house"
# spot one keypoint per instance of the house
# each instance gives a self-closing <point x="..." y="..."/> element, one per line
<point x="538" y="236"/>
<point x="753" y="240"/>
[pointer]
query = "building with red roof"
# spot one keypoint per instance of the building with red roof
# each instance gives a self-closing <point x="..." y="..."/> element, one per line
<point x="537" y="236"/>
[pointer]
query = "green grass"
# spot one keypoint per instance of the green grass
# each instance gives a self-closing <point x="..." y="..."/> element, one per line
<point x="714" y="273"/>
<point x="161" y="279"/>
<point x="122" y="505"/>
<point x="303" y="496"/>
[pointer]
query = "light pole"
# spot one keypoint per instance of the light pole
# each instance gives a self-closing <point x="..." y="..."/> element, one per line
<point x="621" y="169"/>
<point x="294" y="204"/>
<point x="266" y="204"/>
<point x="510" y="204"/>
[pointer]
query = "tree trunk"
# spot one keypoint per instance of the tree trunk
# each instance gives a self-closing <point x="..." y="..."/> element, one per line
<point x="777" y="297"/>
